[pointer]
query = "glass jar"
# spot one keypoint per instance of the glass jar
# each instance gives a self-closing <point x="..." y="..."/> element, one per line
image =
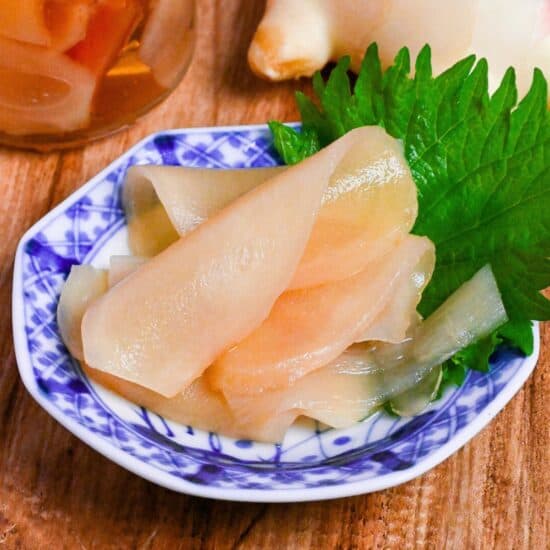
<point x="76" y="70"/>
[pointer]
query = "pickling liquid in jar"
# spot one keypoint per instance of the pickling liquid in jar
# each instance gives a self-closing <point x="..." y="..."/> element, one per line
<point x="76" y="70"/>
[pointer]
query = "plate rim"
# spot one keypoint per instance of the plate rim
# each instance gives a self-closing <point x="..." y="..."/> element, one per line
<point x="168" y="481"/>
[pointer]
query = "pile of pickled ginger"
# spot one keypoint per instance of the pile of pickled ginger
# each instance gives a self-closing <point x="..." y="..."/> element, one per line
<point x="257" y="296"/>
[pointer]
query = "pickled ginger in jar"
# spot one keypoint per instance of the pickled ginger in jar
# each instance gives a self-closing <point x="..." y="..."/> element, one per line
<point x="76" y="70"/>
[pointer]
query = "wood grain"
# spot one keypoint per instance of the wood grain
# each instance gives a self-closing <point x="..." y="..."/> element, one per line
<point x="57" y="493"/>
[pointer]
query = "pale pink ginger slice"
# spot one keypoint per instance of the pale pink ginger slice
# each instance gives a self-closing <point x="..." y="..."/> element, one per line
<point x="83" y="285"/>
<point x="201" y="407"/>
<point x="197" y="405"/>
<point x="56" y="24"/>
<point x="369" y="206"/>
<point x="163" y="202"/>
<point x="165" y="323"/>
<point x="341" y="393"/>
<point x="395" y="321"/>
<point x="42" y="91"/>
<point x="332" y="395"/>
<point x="308" y="328"/>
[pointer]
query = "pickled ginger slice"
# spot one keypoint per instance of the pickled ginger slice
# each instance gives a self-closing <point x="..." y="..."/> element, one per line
<point x="166" y="322"/>
<point x="331" y="395"/>
<point x="167" y="41"/>
<point x="400" y="315"/>
<point x="108" y="30"/>
<point x="369" y="206"/>
<point x="308" y="328"/>
<point x="24" y="21"/>
<point x="163" y="202"/>
<point x="122" y="266"/>
<point x="366" y="376"/>
<point x="469" y="314"/>
<point x="55" y="24"/>
<point x="84" y="285"/>
<point x="328" y="395"/>
<point x="42" y="91"/>
<point x="198" y="406"/>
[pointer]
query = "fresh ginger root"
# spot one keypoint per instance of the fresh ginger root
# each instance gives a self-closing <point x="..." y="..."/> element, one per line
<point x="296" y="38"/>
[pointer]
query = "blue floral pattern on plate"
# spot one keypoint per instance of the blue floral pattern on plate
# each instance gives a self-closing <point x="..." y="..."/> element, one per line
<point x="313" y="462"/>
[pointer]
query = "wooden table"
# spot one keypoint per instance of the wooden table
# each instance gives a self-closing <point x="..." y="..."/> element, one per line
<point x="55" y="492"/>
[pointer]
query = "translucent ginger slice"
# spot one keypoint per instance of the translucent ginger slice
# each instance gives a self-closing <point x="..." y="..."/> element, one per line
<point x="369" y="205"/>
<point x="42" y="91"/>
<point x="83" y="285"/>
<point x="472" y="312"/>
<point x="201" y="407"/>
<point x="197" y="405"/>
<point x="167" y="40"/>
<point x="399" y="316"/>
<point x="163" y="202"/>
<point x="331" y="395"/>
<point x="56" y="24"/>
<point x="366" y="376"/>
<point x="306" y="329"/>
<point x="122" y="266"/>
<point x="165" y="323"/>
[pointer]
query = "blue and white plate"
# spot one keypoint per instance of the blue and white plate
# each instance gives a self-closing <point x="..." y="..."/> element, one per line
<point x="312" y="463"/>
